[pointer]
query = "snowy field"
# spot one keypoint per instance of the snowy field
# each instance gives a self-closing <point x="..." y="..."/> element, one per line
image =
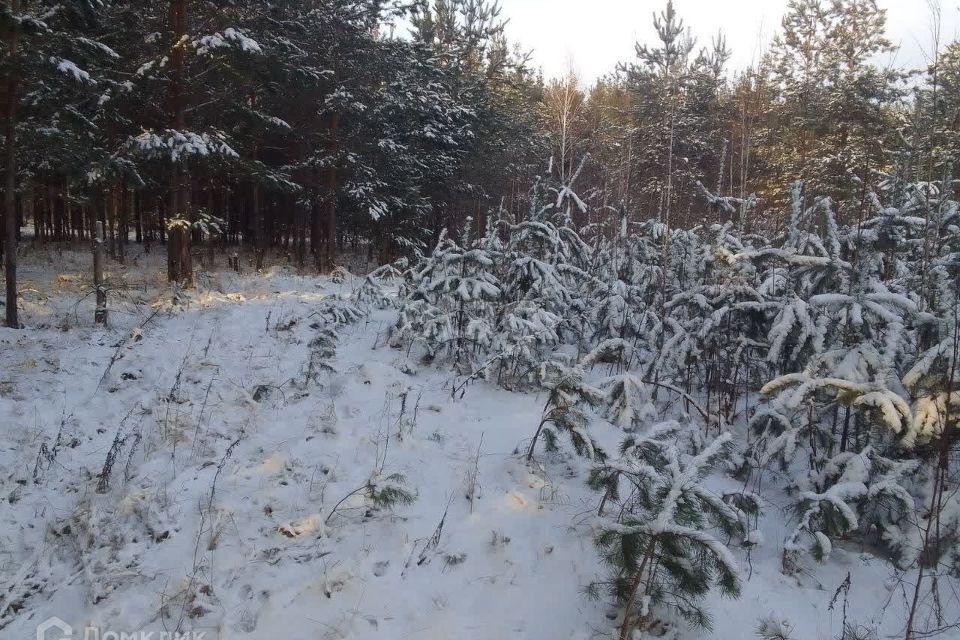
<point x="194" y="467"/>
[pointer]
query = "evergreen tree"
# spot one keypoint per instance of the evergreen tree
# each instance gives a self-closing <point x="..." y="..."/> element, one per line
<point x="564" y="412"/>
<point x="660" y="548"/>
<point x="676" y="111"/>
<point x="45" y="91"/>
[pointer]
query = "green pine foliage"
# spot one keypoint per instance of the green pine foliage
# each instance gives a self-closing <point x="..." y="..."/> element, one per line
<point x="660" y="543"/>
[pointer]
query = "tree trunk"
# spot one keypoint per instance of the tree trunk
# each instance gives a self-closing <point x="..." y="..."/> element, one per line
<point x="628" y="624"/>
<point x="316" y="232"/>
<point x="186" y="259"/>
<point x="123" y="221"/>
<point x="136" y="213"/>
<point x="38" y="220"/>
<point x="178" y="248"/>
<point x="259" y="230"/>
<point x="27" y="206"/>
<point x="300" y="231"/>
<point x="111" y="196"/>
<point x="10" y="183"/>
<point x="173" y="253"/>
<point x="100" y="315"/>
<point x="330" y="251"/>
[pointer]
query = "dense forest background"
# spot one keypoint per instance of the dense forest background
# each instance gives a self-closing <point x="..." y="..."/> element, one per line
<point x="313" y="127"/>
<point x="747" y="277"/>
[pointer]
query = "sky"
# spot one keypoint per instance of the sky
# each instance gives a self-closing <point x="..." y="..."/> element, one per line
<point x="593" y="35"/>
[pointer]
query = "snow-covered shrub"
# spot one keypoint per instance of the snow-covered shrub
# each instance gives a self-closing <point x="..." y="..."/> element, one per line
<point x="496" y="308"/>
<point x="525" y="333"/>
<point x="628" y="403"/>
<point x="337" y="310"/>
<point x="380" y="491"/>
<point x="775" y="628"/>
<point x="332" y="312"/>
<point x="451" y="309"/>
<point x="371" y="292"/>
<point x="385" y="491"/>
<point x="830" y="347"/>
<point x="568" y="396"/>
<point x="660" y="543"/>
<point x="340" y="274"/>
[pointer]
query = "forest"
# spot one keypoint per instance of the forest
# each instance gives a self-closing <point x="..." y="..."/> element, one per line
<point x="339" y="319"/>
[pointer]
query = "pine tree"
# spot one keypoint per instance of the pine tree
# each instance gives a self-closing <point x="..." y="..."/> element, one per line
<point x="834" y="106"/>
<point x="677" y="115"/>
<point x="628" y="402"/>
<point x="45" y="92"/>
<point x="564" y="412"/>
<point x="659" y="546"/>
<point x="451" y="307"/>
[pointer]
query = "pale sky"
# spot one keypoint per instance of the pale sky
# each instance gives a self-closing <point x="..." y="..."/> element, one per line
<point x="596" y="34"/>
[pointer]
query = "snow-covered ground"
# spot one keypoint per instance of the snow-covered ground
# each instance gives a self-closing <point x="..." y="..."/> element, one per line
<point x="222" y="509"/>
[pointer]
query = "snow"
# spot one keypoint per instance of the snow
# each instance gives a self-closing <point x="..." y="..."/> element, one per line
<point x="892" y="409"/>
<point x="71" y="69"/>
<point x="99" y="46"/>
<point x="221" y="512"/>
<point x="230" y="37"/>
<point x="826" y="547"/>
<point x="175" y="145"/>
